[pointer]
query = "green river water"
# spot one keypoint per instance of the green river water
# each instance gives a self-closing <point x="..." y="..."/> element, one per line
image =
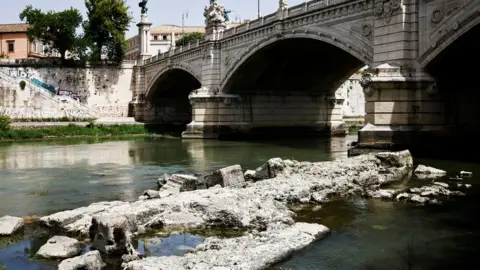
<point x="43" y="177"/>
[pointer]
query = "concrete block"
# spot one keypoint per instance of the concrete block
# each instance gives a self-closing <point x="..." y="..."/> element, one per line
<point x="225" y="177"/>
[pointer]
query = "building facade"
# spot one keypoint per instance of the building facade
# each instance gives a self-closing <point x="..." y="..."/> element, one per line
<point x="161" y="39"/>
<point x="14" y="43"/>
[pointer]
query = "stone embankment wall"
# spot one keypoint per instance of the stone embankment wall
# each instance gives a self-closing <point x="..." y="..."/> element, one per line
<point x="54" y="92"/>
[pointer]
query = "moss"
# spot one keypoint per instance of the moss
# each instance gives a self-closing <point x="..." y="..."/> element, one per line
<point x="39" y="193"/>
<point x="61" y="119"/>
<point x="200" y="231"/>
<point x="354" y="129"/>
<point x="72" y="131"/>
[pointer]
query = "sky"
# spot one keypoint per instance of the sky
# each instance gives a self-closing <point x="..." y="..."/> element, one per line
<point x="159" y="11"/>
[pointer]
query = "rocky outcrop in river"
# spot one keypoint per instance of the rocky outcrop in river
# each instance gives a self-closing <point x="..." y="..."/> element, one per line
<point x="257" y="205"/>
<point x="257" y="250"/>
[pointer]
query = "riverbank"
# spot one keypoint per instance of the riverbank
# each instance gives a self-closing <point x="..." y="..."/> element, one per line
<point x="73" y="131"/>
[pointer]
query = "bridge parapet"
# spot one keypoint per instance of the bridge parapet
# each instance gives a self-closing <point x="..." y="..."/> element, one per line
<point x="174" y="53"/>
<point x="306" y="7"/>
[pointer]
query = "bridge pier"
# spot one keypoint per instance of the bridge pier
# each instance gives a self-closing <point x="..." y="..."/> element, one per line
<point x="215" y="116"/>
<point x="403" y="109"/>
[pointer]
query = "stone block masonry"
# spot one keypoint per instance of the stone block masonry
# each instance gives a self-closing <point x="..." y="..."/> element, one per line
<point x="55" y="92"/>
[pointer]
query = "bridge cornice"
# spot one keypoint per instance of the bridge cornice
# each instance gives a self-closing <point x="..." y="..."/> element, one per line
<point x="450" y="30"/>
<point x="307" y="13"/>
<point x="325" y="34"/>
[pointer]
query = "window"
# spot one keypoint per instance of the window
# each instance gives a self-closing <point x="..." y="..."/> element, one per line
<point x="155" y="37"/>
<point x="11" y="45"/>
<point x="165" y="37"/>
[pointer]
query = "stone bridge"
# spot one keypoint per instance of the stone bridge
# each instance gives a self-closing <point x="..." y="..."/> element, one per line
<point x="282" y="71"/>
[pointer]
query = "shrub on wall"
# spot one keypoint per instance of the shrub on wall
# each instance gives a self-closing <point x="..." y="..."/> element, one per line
<point x="22" y="85"/>
<point x="5" y="122"/>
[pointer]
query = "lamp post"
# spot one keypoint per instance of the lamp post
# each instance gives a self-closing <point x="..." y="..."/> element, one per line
<point x="184" y="17"/>
<point x="258" y="8"/>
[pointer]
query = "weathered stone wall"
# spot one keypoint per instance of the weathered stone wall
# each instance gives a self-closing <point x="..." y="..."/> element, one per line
<point x="57" y="92"/>
<point x="352" y="92"/>
<point x="251" y="113"/>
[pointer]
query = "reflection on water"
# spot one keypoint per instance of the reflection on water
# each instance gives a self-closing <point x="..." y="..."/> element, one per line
<point x="39" y="178"/>
<point x="45" y="177"/>
<point x="19" y="251"/>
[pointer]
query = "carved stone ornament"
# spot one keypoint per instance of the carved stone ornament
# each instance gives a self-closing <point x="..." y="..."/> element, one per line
<point x="227" y="101"/>
<point x="283" y="5"/>
<point x="278" y="28"/>
<point x="443" y="11"/>
<point x="365" y="30"/>
<point x="208" y="52"/>
<point x="437" y="16"/>
<point x="386" y="8"/>
<point x="432" y="89"/>
<point x="149" y="105"/>
<point x="366" y="83"/>
<point x="228" y="58"/>
<point x="214" y="14"/>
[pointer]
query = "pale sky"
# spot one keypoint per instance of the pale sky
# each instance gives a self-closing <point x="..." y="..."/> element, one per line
<point x="159" y="11"/>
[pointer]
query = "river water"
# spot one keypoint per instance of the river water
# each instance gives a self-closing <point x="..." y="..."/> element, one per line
<point x="39" y="178"/>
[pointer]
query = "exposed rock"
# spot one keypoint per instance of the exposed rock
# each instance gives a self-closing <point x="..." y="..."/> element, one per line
<point x="149" y="194"/>
<point x="249" y="175"/>
<point x="428" y="194"/>
<point x="444" y="185"/>
<point x="255" y="206"/>
<point x="429" y="172"/>
<point x="162" y="180"/>
<point x="225" y="177"/>
<point x="60" y="247"/>
<point x="181" y="182"/>
<point x="9" y="225"/>
<point x="78" y="220"/>
<point x="269" y="169"/>
<point x="254" y="251"/>
<point x="464" y="185"/>
<point x="383" y="193"/>
<point x="89" y="261"/>
<point x="418" y="199"/>
<point x="111" y="234"/>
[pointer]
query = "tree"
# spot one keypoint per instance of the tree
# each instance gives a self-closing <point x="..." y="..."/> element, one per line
<point x="107" y="23"/>
<point x="56" y="29"/>
<point x="190" y="38"/>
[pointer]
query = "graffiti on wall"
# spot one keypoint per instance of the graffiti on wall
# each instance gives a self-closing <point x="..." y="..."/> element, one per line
<point x="104" y="92"/>
<point x="46" y="86"/>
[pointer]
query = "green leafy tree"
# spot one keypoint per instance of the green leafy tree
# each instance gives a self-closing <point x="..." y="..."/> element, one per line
<point x="190" y="38"/>
<point x="105" y="28"/>
<point x="56" y="29"/>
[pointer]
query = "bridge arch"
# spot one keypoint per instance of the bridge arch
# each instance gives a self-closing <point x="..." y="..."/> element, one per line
<point x="179" y="68"/>
<point x="449" y="32"/>
<point x="167" y="97"/>
<point x="453" y="66"/>
<point x="350" y="43"/>
<point x="288" y="81"/>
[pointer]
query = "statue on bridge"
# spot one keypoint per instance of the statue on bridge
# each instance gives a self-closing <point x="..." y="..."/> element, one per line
<point x="143" y="5"/>
<point x="215" y="13"/>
